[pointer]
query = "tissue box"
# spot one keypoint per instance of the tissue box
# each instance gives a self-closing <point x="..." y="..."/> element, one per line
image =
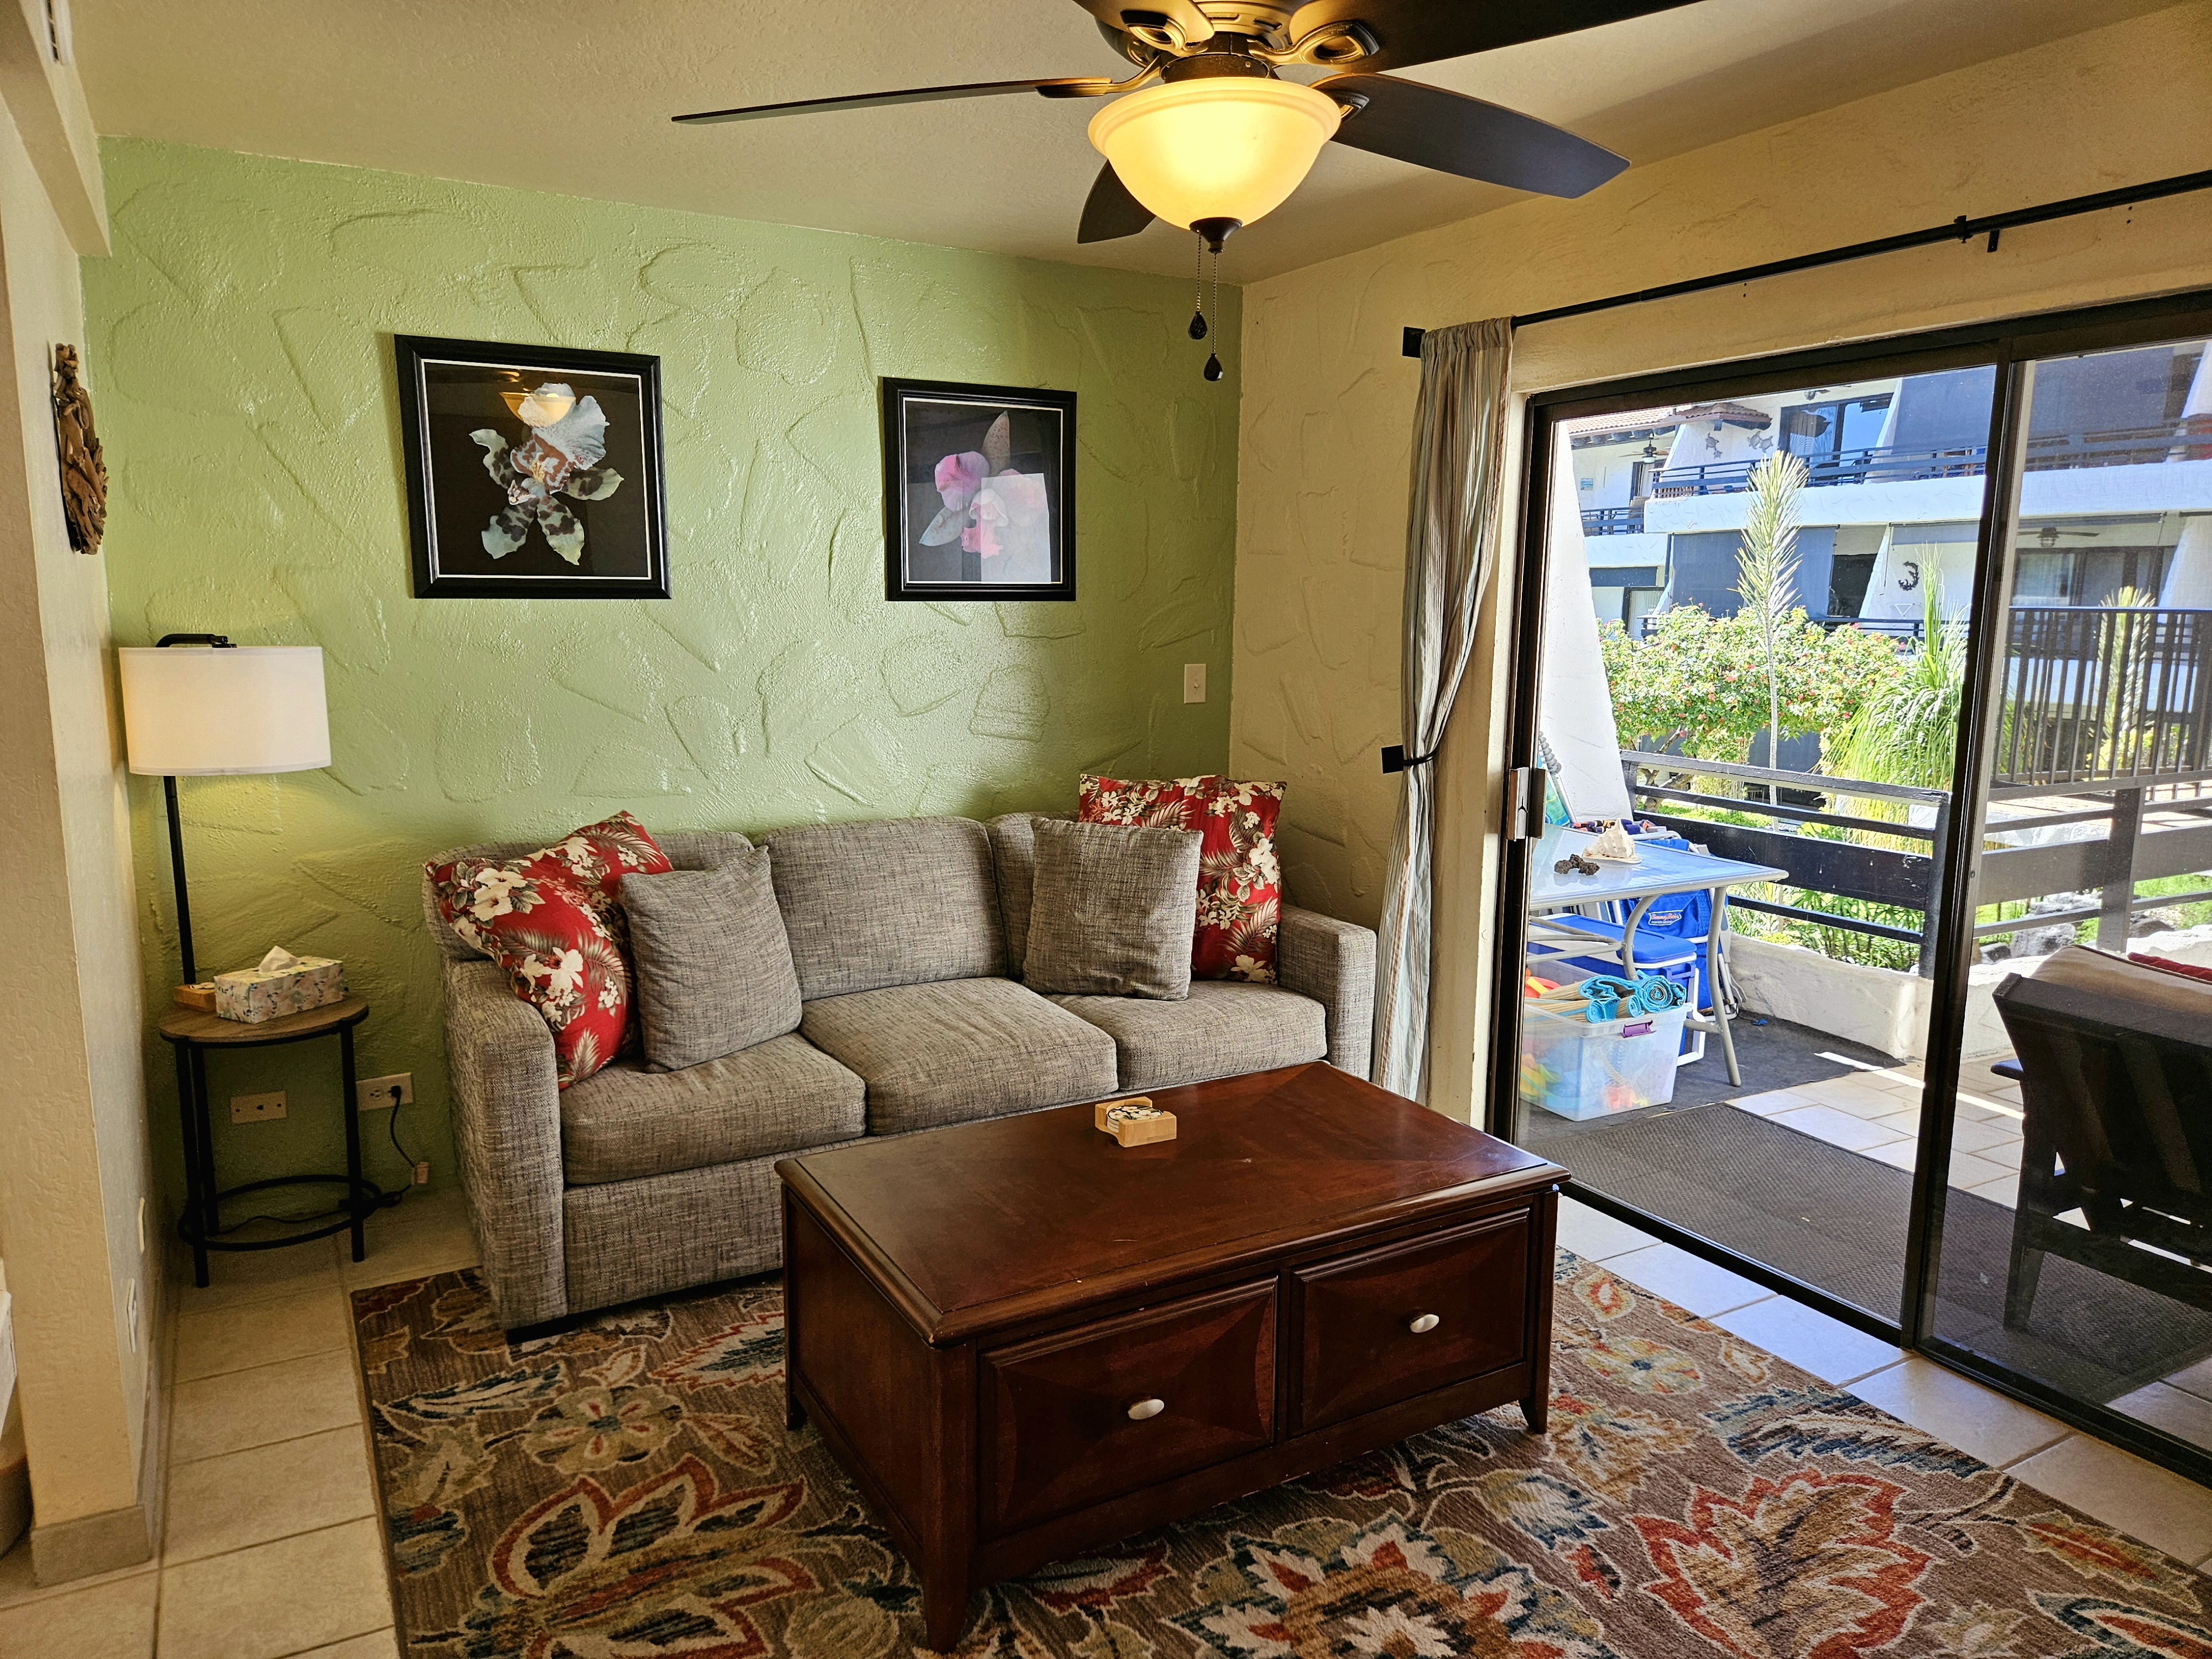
<point x="252" y="995"/>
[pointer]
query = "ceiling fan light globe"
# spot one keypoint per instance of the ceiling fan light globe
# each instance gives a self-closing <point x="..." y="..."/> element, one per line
<point x="1221" y="148"/>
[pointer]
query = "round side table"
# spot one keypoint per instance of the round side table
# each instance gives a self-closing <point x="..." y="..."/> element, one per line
<point x="191" y="1034"/>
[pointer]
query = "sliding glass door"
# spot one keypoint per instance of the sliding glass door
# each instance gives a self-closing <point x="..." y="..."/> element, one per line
<point x="1765" y="732"/>
<point x="1861" y="685"/>
<point x="2076" y="1235"/>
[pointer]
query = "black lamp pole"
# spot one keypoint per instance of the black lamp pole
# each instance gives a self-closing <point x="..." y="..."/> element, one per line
<point x="220" y="643"/>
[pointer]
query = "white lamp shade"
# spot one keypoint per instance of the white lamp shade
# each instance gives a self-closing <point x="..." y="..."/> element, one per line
<point x="191" y="710"/>
<point x="1223" y="148"/>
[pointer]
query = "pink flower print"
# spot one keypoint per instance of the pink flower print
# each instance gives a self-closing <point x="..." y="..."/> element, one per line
<point x="959" y="478"/>
<point x="1010" y="511"/>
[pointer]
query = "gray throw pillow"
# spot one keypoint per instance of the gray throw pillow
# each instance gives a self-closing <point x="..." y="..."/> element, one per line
<point x="713" y="963"/>
<point x="1112" y="911"/>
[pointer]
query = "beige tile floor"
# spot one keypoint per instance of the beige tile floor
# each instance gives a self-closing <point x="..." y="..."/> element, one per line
<point x="2117" y="1487"/>
<point x="271" y="1547"/>
<point x="1876" y="1114"/>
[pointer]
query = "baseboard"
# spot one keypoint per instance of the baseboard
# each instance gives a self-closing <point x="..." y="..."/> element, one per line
<point x="115" y="1539"/>
<point x="107" y="1542"/>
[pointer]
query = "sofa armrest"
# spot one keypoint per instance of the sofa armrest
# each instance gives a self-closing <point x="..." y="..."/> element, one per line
<point x="507" y="1128"/>
<point x="1334" y="963"/>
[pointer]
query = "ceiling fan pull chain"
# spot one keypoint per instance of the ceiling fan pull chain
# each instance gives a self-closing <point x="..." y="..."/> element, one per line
<point x="1213" y="358"/>
<point x="1198" y="301"/>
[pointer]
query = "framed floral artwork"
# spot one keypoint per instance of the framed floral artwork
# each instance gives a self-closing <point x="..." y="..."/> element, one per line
<point x="979" y="491"/>
<point x="533" y="472"/>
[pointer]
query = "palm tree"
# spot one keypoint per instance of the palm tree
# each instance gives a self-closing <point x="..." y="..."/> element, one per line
<point x="1766" y="568"/>
<point x="1907" y="732"/>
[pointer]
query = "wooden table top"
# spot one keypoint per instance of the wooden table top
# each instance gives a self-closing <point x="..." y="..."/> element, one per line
<point x="182" y="1025"/>
<point x="985" y="1224"/>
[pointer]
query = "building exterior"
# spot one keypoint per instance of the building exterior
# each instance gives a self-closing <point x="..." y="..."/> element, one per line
<point x="2116" y="502"/>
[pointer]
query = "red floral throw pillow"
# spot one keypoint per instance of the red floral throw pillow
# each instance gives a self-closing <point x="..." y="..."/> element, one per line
<point x="552" y="920"/>
<point x="1240" y="885"/>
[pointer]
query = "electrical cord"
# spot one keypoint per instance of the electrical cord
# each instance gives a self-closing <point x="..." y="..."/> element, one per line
<point x="387" y="1197"/>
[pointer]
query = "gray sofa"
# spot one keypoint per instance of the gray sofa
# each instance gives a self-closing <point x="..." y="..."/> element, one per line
<point x="908" y="937"/>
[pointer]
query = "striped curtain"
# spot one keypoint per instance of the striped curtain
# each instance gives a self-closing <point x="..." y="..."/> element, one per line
<point x="1451" y="549"/>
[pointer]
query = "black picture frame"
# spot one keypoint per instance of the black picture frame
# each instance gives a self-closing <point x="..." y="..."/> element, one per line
<point x="450" y="389"/>
<point x="928" y="423"/>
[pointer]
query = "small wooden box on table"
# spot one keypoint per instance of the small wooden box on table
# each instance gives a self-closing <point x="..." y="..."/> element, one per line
<point x="1024" y="1341"/>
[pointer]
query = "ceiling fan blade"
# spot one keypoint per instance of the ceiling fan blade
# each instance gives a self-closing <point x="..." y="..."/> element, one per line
<point x="1086" y="86"/>
<point x="1424" y="31"/>
<point x="1109" y="212"/>
<point x="1157" y="18"/>
<point x="1452" y="133"/>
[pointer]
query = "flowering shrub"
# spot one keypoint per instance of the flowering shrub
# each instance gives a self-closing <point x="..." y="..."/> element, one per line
<point x="1701" y="680"/>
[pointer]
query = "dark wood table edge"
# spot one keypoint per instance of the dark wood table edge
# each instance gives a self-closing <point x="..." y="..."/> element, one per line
<point x="942" y="1328"/>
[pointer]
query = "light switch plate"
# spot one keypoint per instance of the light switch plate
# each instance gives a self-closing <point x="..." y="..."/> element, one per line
<point x="1194" y="682"/>
<point x="257" y="1109"/>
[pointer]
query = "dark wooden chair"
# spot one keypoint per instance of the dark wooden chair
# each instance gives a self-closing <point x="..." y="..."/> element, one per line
<point x="2115" y="1076"/>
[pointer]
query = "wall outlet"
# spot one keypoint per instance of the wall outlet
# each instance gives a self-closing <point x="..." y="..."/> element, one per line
<point x="374" y="1093"/>
<point x="1194" y="682"/>
<point x="423" y="1173"/>
<point x="257" y="1109"/>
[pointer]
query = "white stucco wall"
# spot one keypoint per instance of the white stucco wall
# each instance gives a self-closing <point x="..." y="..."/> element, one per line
<point x="73" y="1144"/>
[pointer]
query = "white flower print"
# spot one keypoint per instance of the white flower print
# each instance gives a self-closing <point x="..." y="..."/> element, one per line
<point x="494" y="892"/>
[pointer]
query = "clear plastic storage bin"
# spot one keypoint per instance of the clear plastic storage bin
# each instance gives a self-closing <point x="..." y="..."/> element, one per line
<point x="1575" y="1068"/>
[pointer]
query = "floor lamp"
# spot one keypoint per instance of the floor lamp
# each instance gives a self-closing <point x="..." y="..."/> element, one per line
<point x="195" y="705"/>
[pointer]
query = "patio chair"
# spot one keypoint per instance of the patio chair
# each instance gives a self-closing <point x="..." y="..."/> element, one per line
<point x="2116" y="1080"/>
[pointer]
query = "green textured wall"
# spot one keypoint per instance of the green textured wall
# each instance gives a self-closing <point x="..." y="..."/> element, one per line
<point x="241" y="353"/>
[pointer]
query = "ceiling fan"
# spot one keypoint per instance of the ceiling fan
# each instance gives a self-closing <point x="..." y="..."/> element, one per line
<point x="1223" y="139"/>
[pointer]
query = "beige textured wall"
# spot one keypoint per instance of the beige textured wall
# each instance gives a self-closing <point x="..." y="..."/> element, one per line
<point x="1328" y="400"/>
<point x="73" y="1155"/>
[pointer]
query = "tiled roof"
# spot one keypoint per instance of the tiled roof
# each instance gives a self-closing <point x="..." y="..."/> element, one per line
<point x="1597" y="427"/>
<point x="1735" y="413"/>
<point x="1628" y="420"/>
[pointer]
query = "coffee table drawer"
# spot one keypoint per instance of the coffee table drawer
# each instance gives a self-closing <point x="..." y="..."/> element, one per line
<point x="1081" y="1416"/>
<point x="1390" y="1323"/>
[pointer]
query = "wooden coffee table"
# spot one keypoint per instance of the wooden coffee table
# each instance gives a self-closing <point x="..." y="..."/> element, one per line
<point x="1023" y="1341"/>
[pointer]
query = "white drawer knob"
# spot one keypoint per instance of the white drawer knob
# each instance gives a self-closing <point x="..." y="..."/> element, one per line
<point x="1424" y="1325"/>
<point x="1144" y="1409"/>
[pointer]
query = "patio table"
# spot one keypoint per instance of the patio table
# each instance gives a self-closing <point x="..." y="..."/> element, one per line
<point x="1659" y="871"/>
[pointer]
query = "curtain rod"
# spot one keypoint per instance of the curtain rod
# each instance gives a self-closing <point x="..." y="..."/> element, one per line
<point x="1960" y="230"/>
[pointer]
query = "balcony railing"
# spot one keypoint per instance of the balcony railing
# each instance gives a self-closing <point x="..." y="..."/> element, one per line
<point x="2096" y="694"/>
<point x="1904" y="630"/>
<point x="1613" y="521"/>
<point x="2046" y="452"/>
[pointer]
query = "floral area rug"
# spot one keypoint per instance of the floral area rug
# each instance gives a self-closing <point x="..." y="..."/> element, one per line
<point x="628" y="1491"/>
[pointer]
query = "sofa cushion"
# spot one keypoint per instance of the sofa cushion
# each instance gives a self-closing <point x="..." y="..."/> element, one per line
<point x="894" y="901"/>
<point x="959" y="1049"/>
<point x="781" y="1096"/>
<point x="1013" y="860"/>
<point x="687" y="849"/>
<point x="1240" y="886"/>
<point x="1111" y="911"/>
<point x="714" y="966"/>
<point x="1223" y="1029"/>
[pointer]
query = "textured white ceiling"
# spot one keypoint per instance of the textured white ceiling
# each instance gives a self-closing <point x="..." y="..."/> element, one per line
<point x="575" y="99"/>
